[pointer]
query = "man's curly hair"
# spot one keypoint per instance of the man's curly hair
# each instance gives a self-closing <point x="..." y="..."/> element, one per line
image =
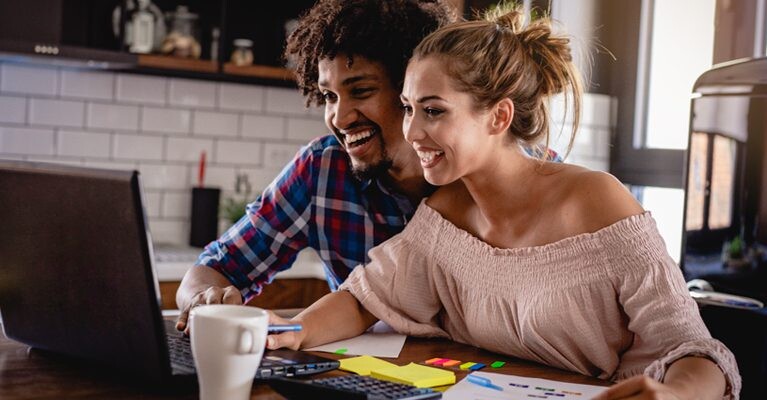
<point x="385" y="31"/>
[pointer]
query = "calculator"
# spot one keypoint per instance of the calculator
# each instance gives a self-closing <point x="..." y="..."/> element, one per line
<point x="349" y="387"/>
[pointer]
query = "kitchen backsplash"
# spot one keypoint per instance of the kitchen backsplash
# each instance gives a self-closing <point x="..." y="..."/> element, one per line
<point x="160" y="126"/>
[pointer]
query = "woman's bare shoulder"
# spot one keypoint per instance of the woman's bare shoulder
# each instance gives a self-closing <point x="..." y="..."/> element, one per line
<point x="596" y="199"/>
<point x="449" y="198"/>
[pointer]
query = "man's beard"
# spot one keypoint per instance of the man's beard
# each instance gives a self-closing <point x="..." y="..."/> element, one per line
<point x="377" y="170"/>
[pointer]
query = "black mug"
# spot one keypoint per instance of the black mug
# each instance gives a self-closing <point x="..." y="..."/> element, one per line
<point x="204" y="216"/>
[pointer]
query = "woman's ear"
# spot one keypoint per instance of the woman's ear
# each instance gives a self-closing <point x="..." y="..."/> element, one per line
<point x="502" y="113"/>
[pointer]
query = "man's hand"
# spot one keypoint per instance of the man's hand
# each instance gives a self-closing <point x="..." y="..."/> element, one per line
<point x="212" y="295"/>
<point x="639" y="387"/>
<point x="291" y="340"/>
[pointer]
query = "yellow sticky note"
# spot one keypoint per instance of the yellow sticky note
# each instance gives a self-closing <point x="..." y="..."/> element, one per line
<point x="415" y="374"/>
<point x="362" y="365"/>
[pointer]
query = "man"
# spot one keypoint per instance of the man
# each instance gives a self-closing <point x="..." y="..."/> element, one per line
<point x="343" y="193"/>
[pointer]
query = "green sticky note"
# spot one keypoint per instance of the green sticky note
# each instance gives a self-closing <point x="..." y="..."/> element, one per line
<point x="341" y="351"/>
<point x="497" y="364"/>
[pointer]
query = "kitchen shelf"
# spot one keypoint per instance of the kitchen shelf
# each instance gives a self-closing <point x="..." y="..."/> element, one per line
<point x="260" y="71"/>
<point x="177" y="63"/>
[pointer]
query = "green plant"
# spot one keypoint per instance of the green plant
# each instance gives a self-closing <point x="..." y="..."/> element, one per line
<point x="233" y="208"/>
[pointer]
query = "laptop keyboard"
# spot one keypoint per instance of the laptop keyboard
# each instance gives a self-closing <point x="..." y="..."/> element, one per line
<point x="181" y="352"/>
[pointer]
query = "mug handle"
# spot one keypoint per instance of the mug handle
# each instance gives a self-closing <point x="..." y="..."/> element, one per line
<point x="246" y="340"/>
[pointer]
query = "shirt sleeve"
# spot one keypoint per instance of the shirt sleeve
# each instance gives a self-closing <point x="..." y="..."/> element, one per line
<point x="397" y="287"/>
<point x="665" y="319"/>
<point x="274" y="229"/>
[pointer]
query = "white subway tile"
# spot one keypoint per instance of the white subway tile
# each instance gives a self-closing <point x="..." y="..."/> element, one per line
<point x="29" y="79"/>
<point x="169" y="231"/>
<point x="112" y="116"/>
<point x="177" y="204"/>
<point x="317" y="111"/>
<point x="138" y="147"/>
<point x="261" y="126"/>
<point x="186" y="92"/>
<point x="83" y="144"/>
<point x="13" y="109"/>
<point x="238" y="152"/>
<point x="12" y="157"/>
<point x="240" y="97"/>
<point x="87" y="84"/>
<point x="153" y="203"/>
<point x="277" y="155"/>
<point x="141" y="89"/>
<point x="56" y="160"/>
<point x="215" y="123"/>
<point x="108" y="164"/>
<point x="217" y="176"/>
<point x="260" y="178"/>
<point x="285" y="101"/>
<point x="161" y="176"/>
<point x="186" y="149"/>
<point x="26" y="141"/>
<point x="56" y="112"/>
<point x="166" y="120"/>
<point x="306" y="129"/>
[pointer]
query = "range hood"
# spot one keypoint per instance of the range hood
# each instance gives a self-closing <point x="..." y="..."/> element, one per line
<point x="64" y="55"/>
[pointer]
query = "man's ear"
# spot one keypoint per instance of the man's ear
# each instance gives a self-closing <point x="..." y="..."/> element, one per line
<point x="502" y="113"/>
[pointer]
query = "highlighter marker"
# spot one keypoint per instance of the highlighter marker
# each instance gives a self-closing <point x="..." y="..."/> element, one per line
<point x="283" y="328"/>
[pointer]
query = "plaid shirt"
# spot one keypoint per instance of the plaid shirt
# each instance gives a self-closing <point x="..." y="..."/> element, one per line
<point x="314" y="202"/>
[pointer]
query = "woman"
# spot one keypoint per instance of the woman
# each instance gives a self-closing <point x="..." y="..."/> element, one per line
<point x="548" y="262"/>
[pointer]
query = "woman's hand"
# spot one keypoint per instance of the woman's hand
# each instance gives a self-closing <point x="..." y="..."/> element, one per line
<point x="639" y="387"/>
<point x="291" y="340"/>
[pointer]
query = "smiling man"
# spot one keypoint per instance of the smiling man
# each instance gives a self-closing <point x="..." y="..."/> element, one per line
<point x="343" y="193"/>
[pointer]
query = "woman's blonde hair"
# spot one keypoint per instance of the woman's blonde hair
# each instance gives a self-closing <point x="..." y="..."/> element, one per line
<point x="502" y="57"/>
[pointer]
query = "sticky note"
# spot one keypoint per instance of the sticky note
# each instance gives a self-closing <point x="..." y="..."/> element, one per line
<point x="341" y="351"/>
<point x="440" y="361"/>
<point x="432" y="360"/>
<point x="362" y="365"/>
<point x="497" y="364"/>
<point x="467" y="365"/>
<point x="415" y="374"/>
<point x="476" y="366"/>
<point x="450" y="363"/>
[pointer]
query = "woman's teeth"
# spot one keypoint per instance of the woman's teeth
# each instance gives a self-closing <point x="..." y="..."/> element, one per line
<point x="351" y="139"/>
<point x="428" y="156"/>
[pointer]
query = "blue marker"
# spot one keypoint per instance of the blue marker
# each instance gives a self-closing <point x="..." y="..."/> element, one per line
<point x="478" y="380"/>
<point x="284" y="328"/>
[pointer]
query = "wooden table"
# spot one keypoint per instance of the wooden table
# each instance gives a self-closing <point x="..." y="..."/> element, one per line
<point x="27" y="373"/>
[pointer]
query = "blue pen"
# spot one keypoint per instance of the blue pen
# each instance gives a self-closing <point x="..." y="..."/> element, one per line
<point x="478" y="380"/>
<point x="284" y="328"/>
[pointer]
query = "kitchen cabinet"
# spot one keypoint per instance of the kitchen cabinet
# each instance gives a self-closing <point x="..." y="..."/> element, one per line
<point x="92" y="33"/>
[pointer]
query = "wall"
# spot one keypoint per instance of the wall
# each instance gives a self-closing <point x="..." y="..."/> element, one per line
<point x="160" y="125"/>
<point x="157" y="125"/>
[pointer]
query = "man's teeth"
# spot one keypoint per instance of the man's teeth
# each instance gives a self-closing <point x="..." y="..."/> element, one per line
<point x="358" y="136"/>
<point x="428" y="156"/>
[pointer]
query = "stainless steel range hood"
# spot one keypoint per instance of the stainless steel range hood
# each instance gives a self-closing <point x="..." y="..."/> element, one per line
<point x="64" y="55"/>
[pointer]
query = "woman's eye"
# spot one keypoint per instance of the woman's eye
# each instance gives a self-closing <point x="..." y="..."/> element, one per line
<point x="408" y="109"/>
<point x="432" y="112"/>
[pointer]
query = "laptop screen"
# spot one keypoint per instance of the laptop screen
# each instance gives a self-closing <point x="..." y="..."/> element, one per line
<point x="76" y="274"/>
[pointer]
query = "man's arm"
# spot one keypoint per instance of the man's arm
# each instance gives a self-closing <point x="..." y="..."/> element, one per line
<point x="203" y="285"/>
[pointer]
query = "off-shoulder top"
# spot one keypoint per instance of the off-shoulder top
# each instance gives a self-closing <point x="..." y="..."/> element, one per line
<point x="610" y="304"/>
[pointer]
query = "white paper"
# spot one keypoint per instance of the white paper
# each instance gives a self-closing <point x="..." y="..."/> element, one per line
<point x="464" y="389"/>
<point x="387" y="345"/>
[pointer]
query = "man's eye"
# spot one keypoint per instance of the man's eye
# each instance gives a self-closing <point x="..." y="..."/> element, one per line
<point x="432" y="112"/>
<point x="328" y="96"/>
<point x="358" y="92"/>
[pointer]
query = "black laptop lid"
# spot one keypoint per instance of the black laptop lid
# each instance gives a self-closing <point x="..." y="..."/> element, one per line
<point x="75" y="266"/>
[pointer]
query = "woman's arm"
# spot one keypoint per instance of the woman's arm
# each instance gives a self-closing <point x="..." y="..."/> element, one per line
<point x="335" y="316"/>
<point x="687" y="378"/>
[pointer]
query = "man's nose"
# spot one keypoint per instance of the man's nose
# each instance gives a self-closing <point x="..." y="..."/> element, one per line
<point x="344" y="114"/>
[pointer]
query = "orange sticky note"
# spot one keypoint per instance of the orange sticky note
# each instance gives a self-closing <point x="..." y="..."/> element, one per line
<point x="450" y="363"/>
<point x="432" y="360"/>
<point x="440" y="361"/>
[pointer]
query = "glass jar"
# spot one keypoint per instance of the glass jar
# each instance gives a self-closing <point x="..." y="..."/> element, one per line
<point x="183" y="39"/>
<point x="243" y="52"/>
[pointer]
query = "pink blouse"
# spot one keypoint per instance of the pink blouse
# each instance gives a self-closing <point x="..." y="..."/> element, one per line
<point x="610" y="304"/>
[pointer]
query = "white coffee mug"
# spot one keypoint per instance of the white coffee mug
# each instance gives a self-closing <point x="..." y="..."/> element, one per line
<point x="227" y="345"/>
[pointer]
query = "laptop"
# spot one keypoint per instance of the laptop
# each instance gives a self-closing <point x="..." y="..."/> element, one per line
<point x="77" y="275"/>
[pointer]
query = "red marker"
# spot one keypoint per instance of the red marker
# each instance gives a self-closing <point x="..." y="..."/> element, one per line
<point x="201" y="174"/>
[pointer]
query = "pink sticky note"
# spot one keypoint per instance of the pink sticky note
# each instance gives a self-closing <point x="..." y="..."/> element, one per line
<point x="440" y="361"/>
